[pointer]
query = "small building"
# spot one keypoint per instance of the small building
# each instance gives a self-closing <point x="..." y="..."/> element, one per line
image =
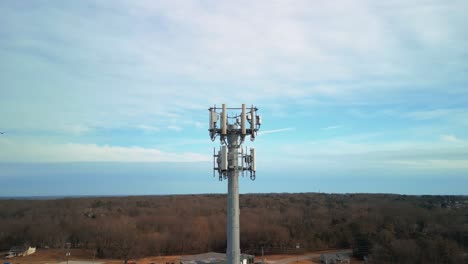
<point x="18" y="251"/>
<point x="335" y="258"/>
<point x="214" y="258"/>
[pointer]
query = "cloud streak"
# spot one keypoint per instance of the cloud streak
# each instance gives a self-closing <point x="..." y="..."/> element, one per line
<point x="400" y="155"/>
<point x="13" y="151"/>
<point x="273" y="131"/>
<point x="331" y="127"/>
<point x="450" y="138"/>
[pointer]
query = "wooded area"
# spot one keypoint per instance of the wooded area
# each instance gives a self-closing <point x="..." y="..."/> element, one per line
<point x="390" y="228"/>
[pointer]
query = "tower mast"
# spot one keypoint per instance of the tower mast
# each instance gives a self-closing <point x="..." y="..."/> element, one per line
<point x="232" y="132"/>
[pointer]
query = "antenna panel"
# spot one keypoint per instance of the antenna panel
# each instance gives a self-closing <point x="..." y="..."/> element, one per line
<point x="224" y="158"/>
<point x="214" y="161"/>
<point x="242" y="161"/>
<point x="243" y="128"/>
<point x="253" y="159"/>
<point x="212" y="122"/>
<point x="252" y="123"/>
<point x="223" y="121"/>
<point x="213" y="118"/>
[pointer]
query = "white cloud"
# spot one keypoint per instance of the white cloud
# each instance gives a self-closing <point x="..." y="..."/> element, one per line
<point x="174" y="128"/>
<point x="339" y="154"/>
<point x="455" y="116"/>
<point x="179" y="54"/>
<point x="77" y="64"/>
<point x="450" y="138"/>
<point x="13" y="151"/>
<point x="431" y="114"/>
<point x="432" y="164"/>
<point x="331" y="127"/>
<point x="149" y="129"/>
<point x="75" y="129"/>
<point x="275" y="130"/>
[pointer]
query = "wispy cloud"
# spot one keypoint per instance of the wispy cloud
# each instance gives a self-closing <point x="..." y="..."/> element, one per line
<point x="331" y="127"/>
<point x="428" y="164"/>
<point x="431" y="114"/>
<point x="174" y="128"/>
<point x="148" y="128"/>
<point x="198" y="124"/>
<point x="14" y="151"/>
<point x="65" y="65"/>
<point x="450" y="138"/>
<point x="275" y="130"/>
<point x="344" y="155"/>
<point x="216" y="49"/>
<point x="75" y="129"/>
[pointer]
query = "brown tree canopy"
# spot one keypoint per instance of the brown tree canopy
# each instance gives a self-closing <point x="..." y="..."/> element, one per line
<point x="390" y="228"/>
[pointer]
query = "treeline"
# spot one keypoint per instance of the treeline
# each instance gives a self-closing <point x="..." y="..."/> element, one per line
<point x="384" y="228"/>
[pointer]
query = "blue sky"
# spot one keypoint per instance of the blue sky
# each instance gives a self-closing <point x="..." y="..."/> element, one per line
<point x="103" y="97"/>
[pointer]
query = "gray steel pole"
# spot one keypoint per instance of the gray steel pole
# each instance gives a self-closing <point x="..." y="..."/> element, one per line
<point x="233" y="241"/>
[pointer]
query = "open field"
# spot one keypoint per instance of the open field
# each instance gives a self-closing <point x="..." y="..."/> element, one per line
<point x="149" y="260"/>
<point x="78" y="256"/>
<point x="307" y="258"/>
<point x="54" y="256"/>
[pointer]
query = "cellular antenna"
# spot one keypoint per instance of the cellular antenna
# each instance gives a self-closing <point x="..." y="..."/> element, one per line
<point x="232" y="132"/>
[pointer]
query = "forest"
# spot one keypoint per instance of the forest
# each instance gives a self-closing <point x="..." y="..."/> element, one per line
<point x="383" y="228"/>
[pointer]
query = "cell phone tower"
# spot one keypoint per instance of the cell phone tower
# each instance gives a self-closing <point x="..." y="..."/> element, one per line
<point x="232" y="132"/>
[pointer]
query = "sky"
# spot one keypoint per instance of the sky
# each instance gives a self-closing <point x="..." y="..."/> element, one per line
<point x="111" y="97"/>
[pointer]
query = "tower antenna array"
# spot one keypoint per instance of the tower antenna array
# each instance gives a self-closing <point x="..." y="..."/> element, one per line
<point x="232" y="131"/>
